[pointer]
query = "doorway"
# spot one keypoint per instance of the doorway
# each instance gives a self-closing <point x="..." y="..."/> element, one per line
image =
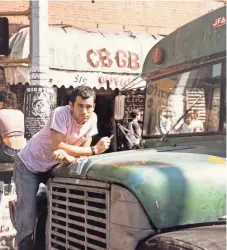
<point x="104" y="109"/>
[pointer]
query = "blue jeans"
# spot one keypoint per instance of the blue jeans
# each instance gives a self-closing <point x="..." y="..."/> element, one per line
<point x="27" y="186"/>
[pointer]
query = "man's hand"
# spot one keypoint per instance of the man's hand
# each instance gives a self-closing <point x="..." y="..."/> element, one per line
<point x="102" y="145"/>
<point x="61" y="156"/>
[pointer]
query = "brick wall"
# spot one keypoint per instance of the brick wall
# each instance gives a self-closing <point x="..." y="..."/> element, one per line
<point x="154" y="16"/>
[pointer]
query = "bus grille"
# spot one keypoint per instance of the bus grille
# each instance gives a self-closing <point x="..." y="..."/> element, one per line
<point x="78" y="217"/>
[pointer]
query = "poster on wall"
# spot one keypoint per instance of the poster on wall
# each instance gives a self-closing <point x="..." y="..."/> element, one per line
<point x="38" y="104"/>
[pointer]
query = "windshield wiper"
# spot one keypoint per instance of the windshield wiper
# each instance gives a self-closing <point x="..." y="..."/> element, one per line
<point x="179" y="119"/>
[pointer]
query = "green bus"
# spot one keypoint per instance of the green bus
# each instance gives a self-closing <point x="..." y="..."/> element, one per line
<point x="186" y="66"/>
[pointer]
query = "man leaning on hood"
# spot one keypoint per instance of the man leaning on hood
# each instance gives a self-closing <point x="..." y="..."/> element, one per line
<point x="66" y="136"/>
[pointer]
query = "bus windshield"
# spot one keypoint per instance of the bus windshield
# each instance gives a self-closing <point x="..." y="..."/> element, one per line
<point x="167" y="99"/>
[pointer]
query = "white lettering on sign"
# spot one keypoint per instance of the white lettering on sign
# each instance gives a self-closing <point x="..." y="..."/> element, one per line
<point x="103" y="58"/>
<point x="219" y="22"/>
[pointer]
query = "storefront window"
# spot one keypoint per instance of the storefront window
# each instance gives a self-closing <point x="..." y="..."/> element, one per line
<point x="168" y="99"/>
<point x="134" y="100"/>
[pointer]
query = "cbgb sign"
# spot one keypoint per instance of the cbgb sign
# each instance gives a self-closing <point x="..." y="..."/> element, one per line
<point x="122" y="59"/>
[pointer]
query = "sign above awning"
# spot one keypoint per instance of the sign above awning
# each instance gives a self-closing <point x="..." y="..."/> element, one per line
<point x="68" y="79"/>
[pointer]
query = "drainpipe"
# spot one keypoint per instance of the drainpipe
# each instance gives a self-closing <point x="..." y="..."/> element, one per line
<point x="40" y="97"/>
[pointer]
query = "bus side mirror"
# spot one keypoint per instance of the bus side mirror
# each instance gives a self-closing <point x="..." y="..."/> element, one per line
<point x="119" y="107"/>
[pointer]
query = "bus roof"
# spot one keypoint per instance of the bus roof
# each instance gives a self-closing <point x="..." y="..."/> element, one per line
<point x="197" y="42"/>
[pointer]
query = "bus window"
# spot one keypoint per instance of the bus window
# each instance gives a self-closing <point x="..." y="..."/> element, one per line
<point x="168" y="98"/>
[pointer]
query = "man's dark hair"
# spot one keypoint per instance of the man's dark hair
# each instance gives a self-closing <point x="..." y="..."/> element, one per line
<point x="134" y="114"/>
<point x="1" y="68"/>
<point x="84" y="92"/>
<point x="9" y="100"/>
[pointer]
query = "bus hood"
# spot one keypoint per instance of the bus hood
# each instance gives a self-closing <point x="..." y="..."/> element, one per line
<point x="174" y="188"/>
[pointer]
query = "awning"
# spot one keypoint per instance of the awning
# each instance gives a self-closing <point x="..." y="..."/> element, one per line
<point x="78" y="57"/>
<point x="62" y="78"/>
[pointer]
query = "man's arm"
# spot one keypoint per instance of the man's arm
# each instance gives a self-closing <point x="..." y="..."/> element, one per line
<point x="61" y="156"/>
<point x="58" y="142"/>
<point x="87" y="142"/>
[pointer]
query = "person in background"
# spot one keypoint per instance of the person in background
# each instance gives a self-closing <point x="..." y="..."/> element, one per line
<point x="11" y="127"/>
<point x="66" y="136"/>
<point x="135" y="130"/>
<point x="196" y="124"/>
<point x="165" y="122"/>
<point x="186" y="127"/>
<point x="133" y="125"/>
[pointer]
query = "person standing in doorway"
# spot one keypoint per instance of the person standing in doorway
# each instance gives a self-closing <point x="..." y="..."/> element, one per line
<point x="134" y="126"/>
<point x="135" y="130"/>
<point x="66" y="137"/>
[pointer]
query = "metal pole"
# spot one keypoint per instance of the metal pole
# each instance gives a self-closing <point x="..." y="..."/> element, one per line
<point x="40" y="97"/>
<point x="39" y="68"/>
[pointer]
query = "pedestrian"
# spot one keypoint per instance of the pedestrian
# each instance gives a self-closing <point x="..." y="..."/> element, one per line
<point x="186" y="127"/>
<point x="66" y="136"/>
<point x="197" y="124"/>
<point x="134" y="130"/>
<point x="11" y="127"/>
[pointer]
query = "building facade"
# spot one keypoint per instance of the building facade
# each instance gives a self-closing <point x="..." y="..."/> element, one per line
<point x="152" y="16"/>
